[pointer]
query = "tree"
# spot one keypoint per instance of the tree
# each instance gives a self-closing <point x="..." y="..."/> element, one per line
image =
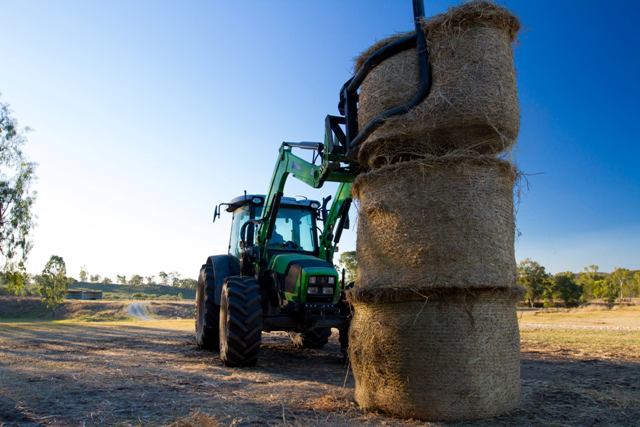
<point x="622" y="279"/>
<point x="53" y="282"/>
<point x="565" y="286"/>
<point x="16" y="281"/>
<point x="635" y="288"/>
<point x="349" y="262"/>
<point x="95" y="278"/>
<point x="606" y="289"/>
<point x="106" y="281"/>
<point x="187" y="283"/>
<point x="534" y="278"/>
<point x="135" y="280"/>
<point x="164" y="277"/>
<point x="149" y="279"/>
<point x="174" y="278"/>
<point x="84" y="274"/>
<point x="121" y="279"/>
<point x="588" y="280"/>
<point x="16" y="197"/>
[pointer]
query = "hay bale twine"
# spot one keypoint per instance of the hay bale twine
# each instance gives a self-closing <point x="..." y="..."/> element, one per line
<point x="473" y="103"/>
<point x="438" y="222"/>
<point x="454" y="355"/>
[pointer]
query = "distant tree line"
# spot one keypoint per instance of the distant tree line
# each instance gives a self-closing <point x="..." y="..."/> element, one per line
<point x="52" y="283"/>
<point x="162" y="278"/>
<point x="542" y="288"/>
<point x="572" y="289"/>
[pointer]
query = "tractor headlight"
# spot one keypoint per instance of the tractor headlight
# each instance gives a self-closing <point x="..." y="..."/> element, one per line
<point x="313" y="290"/>
<point x="312" y="280"/>
<point x="327" y="290"/>
<point x="331" y="280"/>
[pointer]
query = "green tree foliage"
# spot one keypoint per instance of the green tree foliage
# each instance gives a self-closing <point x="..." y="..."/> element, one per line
<point x="623" y="278"/>
<point x="53" y="282"/>
<point x="164" y="278"/>
<point x="588" y="279"/>
<point x="174" y="278"/>
<point x="84" y="274"/>
<point x="349" y="262"/>
<point x="607" y="290"/>
<point x="95" y="278"/>
<point x="16" y="197"/>
<point x="136" y="280"/>
<point x="16" y="281"/>
<point x="535" y="279"/>
<point x="567" y="289"/>
<point x="106" y="281"/>
<point x="186" y="283"/>
<point x="121" y="279"/>
<point x="150" y="280"/>
<point x="635" y="287"/>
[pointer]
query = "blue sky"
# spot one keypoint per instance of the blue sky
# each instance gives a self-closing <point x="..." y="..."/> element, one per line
<point x="147" y="113"/>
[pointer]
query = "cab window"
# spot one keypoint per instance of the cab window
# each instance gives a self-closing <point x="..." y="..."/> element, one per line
<point x="240" y="216"/>
<point x="294" y="230"/>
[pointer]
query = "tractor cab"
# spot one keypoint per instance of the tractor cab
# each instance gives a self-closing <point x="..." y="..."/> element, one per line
<point x="295" y="228"/>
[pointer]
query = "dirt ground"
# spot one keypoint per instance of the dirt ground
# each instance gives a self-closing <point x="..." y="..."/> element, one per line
<point x="16" y="308"/>
<point x="151" y="373"/>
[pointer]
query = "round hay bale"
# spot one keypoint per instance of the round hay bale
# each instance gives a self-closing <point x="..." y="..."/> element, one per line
<point x="439" y="222"/>
<point x="452" y="356"/>
<point x="473" y="103"/>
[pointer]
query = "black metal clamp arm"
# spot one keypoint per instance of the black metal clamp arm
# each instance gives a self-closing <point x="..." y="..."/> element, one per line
<point x="348" y="105"/>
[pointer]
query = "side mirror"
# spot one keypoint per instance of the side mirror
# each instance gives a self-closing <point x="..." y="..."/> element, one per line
<point x="216" y="213"/>
<point x="347" y="222"/>
<point x="323" y="210"/>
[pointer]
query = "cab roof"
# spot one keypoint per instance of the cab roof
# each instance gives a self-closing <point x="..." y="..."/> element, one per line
<point x="236" y="202"/>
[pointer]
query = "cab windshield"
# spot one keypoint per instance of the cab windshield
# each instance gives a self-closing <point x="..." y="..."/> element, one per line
<point x="294" y="230"/>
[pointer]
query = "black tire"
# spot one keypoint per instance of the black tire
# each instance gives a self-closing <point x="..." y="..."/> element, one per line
<point x="240" y="321"/>
<point x="311" y="338"/>
<point x="207" y="311"/>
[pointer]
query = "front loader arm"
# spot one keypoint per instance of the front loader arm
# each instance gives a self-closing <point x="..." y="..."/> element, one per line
<point x="288" y="163"/>
<point x="335" y="221"/>
<point x="312" y="175"/>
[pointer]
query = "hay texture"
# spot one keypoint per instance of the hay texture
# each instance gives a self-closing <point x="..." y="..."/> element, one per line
<point x="436" y="223"/>
<point x="452" y="357"/>
<point x="473" y="102"/>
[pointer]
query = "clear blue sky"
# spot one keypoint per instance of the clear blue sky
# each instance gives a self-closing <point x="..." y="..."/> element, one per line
<point x="146" y="113"/>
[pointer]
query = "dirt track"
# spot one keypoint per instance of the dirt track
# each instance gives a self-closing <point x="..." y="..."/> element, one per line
<point x="151" y="373"/>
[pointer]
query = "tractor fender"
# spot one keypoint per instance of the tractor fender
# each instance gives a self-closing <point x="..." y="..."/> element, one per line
<point x="222" y="267"/>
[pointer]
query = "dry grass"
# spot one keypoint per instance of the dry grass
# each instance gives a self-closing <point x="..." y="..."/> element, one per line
<point x="583" y="333"/>
<point x="30" y="309"/>
<point x="621" y="318"/>
<point x="150" y="373"/>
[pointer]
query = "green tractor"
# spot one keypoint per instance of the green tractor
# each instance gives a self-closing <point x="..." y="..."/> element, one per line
<point x="278" y="274"/>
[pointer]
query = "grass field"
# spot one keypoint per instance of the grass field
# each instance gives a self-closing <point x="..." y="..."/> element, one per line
<point x="579" y="367"/>
<point x="585" y="333"/>
<point x="114" y="291"/>
<point x="26" y="309"/>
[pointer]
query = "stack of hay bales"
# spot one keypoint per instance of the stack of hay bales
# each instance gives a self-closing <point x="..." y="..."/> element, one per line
<point x="434" y="334"/>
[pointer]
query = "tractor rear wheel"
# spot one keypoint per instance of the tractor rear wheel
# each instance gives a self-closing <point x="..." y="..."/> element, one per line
<point x="311" y="338"/>
<point x="240" y="321"/>
<point x="207" y="311"/>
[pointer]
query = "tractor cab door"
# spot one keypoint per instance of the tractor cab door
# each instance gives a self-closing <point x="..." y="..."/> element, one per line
<point x="240" y="216"/>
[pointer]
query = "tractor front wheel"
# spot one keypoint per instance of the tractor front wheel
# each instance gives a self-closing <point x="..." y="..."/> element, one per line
<point x="240" y="321"/>
<point x="311" y="338"/>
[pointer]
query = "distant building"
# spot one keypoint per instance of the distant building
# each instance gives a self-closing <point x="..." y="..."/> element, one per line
<point x="83" y="294"/>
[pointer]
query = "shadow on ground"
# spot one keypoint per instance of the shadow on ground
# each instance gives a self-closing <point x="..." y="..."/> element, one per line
<point x="74" y="374"/>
